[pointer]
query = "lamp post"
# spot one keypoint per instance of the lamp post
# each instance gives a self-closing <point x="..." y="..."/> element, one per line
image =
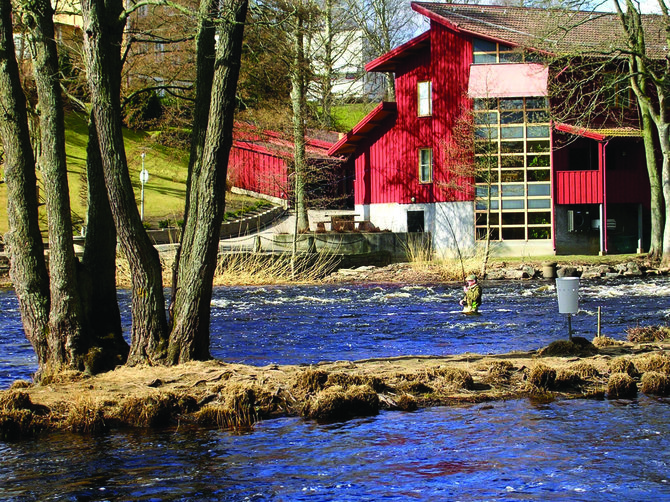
<point x="144" y="177"/>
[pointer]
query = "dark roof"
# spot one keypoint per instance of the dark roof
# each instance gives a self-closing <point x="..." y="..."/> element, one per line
<point x="348" y="143"/>
<point x="551" y="30"/>
<point x="390" y="60"/>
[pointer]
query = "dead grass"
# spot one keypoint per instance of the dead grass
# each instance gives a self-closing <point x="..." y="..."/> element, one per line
<point x="642" y="334"/>
<point x="235" y="396"/>
<point x="621" y="386"/>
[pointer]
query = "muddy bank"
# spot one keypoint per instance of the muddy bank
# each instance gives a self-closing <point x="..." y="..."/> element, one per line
<point x="235" y="396"/>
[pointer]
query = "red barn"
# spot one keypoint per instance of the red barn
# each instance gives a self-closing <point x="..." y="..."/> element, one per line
<point x="260" y="163"/>
<point x="470" y="148"/>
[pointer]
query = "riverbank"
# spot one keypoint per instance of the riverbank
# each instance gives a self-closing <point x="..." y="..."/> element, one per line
<point x="235" y="396"/>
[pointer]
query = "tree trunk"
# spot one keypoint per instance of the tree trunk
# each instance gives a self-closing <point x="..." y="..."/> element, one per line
<point x="205" y="54"/>
<point x="97" y="277"/>
<point x="299" y="112"/>
<point x="656" y="192"/>
<point x="67" y="345"/>
<point x="189" y="338"/>
<point x="23" y="241"/>
<point x="103" y="29"/>
<point x="664" y="137"/>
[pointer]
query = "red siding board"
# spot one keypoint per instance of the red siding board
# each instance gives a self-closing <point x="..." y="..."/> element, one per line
<point x="578" y="187"/>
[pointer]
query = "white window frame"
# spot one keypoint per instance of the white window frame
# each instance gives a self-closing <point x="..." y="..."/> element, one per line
<point x="425" y="98"/>
<point x="425" y="165"/>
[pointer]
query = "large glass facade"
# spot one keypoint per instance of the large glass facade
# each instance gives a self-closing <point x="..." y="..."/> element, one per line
<point x="513" y="182"/>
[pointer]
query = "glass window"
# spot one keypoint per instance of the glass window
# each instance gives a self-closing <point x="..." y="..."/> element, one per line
<point x="514" y="233"/>
<point x="543" y="218"/>
<point x="513" y="204"/>
<point x="425" y="165"/>
<point x="538" y="190"/>
<point x="486" y="132"/>
<point x="511" y="147"/>
<point x="480" y="45"/>
<point x="537" y="131"/>
<point x="511" y="132"/>
<point x="539" y="203"/>
<point x="513" y="218"/>
<point x="511" y="104"/>
<point x="538" y="174"/>
<point x="425" y="99"/>
<point x="511" y="117"/>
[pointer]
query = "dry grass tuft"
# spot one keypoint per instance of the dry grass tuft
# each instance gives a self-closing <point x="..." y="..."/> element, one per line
<point x="653" y="362"/>
<point x="585" y="370"/>
<point x="641" y="334"/>
<point x="153" y="411"/>
<point x="499" y="371"/>
<point x="621" y="386"/>
<point x="541" y="377"/>
<point x="456" y="378"/>
<point x="578" y="346"/>
<point x="85" y="416"/>
<point x="335" y="403"/>
<point x="623" y="365"/>
<point x="20" y="384"/>
<point x="605" y="341"/>
<point x="568" y="379"/>
<point x="655" y="383"/>
<point x="406" y="402"/>
<point x="311" y="380"/>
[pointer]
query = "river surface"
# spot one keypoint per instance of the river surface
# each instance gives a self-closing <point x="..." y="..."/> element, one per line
<point x="514" y="450"/>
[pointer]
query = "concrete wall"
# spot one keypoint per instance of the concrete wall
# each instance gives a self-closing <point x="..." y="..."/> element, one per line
<point x="451" y="224"/>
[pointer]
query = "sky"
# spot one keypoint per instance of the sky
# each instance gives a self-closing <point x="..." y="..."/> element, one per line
<point x="646" y="6"/>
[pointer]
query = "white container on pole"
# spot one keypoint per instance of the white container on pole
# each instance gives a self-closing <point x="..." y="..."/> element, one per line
<point x="567" y="289"/>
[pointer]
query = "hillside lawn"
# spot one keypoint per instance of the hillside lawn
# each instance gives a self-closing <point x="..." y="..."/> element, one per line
<point x="164" y="193"/>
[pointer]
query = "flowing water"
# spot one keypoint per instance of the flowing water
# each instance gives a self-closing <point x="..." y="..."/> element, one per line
<point x="514" y="450"/>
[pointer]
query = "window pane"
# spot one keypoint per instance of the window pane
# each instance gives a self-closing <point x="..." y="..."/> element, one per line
<point x="511" y="147"/>
<point x="512" y="117"/>
<point x="513" y="204"/>
<point x="538" y="190"/>
<point x="485" y="104"/>
<point x="543" y="218"/>
<point x="538" y="174"/>
<point x="537" y="131"/>
<point x="486" y="147"/>
<point x="484" y="58"/>
<point x="511" y="132"/>
<point x="511" y="57"/>
<point x="511" y="176"/>
<point x="538" y="161"/>
<point x="481" y="204"/>
<point x="481" y="234"/>
<point x="539" y="233"/>
<point x="515" y="190"/>
<point x="482" y="191"/>
<point x="425" y="107"/>
<point x="539" y="116"/>
<point x="487" y="132"/>
<point x="511" y="161"/>
<point x="539" y="146"/>
<point x="486" y="118"/>
<point x="513" y="234"/>
<point x="536" y="103"/>
<point x="513" y="218"/>
<point x="479" y="45"/>
<point x="511" y="104"/>
<point x="539" y="204"/>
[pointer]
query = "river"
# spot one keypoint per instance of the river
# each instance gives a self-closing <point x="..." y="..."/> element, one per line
<point x="513" y="450"/>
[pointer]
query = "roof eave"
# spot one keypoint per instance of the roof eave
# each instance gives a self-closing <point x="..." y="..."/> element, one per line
<point x="347" y="143"/>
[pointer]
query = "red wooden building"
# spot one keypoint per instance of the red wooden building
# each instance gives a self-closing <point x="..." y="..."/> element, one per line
<point x="261" y="163"/>
<point x="535" y="186"/>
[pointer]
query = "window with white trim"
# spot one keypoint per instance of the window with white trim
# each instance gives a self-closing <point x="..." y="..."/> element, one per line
<point x="425" y="165"/>
<point x="424" y="93"/>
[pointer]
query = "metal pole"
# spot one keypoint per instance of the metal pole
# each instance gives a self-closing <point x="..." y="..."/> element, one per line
<point x="598" y="322"/>
<point x="142" y="191"/>
<point x="570" y="326"/>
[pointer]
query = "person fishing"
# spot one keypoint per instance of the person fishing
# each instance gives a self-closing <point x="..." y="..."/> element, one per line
<point x="473" y="295"/>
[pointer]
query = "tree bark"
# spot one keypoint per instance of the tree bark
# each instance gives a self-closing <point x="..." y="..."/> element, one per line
<point x="103" y="30"/>
<point x="97" y="277"/>
<point x="66" y="337"/>
<point x="189" y="338"/>
<point x="28" y="269"/>
<point x="205" y="55"/>
<point x="298" y="97"/>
